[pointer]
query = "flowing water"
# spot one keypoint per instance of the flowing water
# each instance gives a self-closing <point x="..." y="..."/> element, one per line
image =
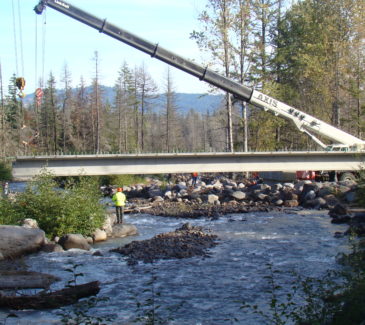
<point x="199" y="290"/>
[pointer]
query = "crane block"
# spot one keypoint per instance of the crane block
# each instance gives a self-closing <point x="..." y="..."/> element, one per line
<point x="20" y="83"/>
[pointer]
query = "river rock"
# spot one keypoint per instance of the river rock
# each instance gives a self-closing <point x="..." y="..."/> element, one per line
<point x="124" y="230"/>
<point x="168" y="195"/>
<point x="30" y="223"/>
<point x="180" y="186"/>
<point x="99" y="235"/>
<point x="278" y="202"/>
<point x="341" y="219"/>
<point x="16" y="241"/>
<point x="350" y="197"/>
<point x="331" y="201"/>
<point x="311" y="195"/>
<point x="316" y="203"/>
<point x="89" y="240"/>
<point x="74" y="241"/>
<point x="239" y="195"/>
<point x="277" y="187"/>
<point x="309" y="192"/>
<point x="212" y="198"/>
<point x="291" y="203"/>
<point x="241" y="186"/>
<point x="157" y="199"/>
<point x="154" y="191"/>
<point x="323" y="192"/>
<point x="110" y="220"/>
<point x="52" y="248"/>
<point x="217" y="185"/>
<point x="339" y="210"/>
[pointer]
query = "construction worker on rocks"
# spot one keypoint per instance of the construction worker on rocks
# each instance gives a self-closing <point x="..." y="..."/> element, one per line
<point x="119" y="200"/>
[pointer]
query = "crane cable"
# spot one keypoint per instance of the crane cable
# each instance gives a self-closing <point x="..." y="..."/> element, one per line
<point x="36" y="51"/>
<point x="15" y="40"/>
<point x="44" y="29"/>
<point x="21" y="38"/>
<point x="19" y="81"/>
<point x="40" y="83"/>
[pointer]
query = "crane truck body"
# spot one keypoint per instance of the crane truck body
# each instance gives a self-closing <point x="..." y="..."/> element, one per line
<point x="313" y="127"/>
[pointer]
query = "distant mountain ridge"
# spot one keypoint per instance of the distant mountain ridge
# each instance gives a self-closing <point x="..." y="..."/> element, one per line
<point x="201" y="103"/>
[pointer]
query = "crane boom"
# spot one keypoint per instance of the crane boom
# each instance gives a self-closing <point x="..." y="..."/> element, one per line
<point x="303" y="121"/>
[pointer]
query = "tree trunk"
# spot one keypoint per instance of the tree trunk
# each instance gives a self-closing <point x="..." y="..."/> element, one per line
<point x="52" y="300"/>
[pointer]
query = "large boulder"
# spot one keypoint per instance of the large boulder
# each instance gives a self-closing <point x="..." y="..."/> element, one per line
<point x="99" y="235"/>
<point x="239" y="195"/>
<point x="110" y="220"/>
<point x="212" y="199"/>
<point x="52" y="248"/>
<point x="17" y="241"/>
<point x="124" y="230"/>
<point x="74" y="241"/>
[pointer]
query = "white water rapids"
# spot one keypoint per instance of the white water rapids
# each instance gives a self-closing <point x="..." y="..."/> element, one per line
<point x="198" y="290"/>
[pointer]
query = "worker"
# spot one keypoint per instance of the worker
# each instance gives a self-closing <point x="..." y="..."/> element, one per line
<point x="194" y="177"/>
<point x="119" y="199"/>
<point x="6" y="189"/>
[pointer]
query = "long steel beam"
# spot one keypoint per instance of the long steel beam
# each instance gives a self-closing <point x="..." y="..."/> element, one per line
<point x="26" y="167"/>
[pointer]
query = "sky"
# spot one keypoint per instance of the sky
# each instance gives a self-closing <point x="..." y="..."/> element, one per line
<point x="69" y="42"/>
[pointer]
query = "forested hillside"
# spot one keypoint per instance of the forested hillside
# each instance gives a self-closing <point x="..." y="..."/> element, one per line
<point x="309" y="54"/>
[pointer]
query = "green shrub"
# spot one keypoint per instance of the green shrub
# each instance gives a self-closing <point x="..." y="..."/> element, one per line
<point x="8" y="215"/>
<point x="5" y="172"/>
<point x="74" y="209"/>
<point x="121" y="180"/>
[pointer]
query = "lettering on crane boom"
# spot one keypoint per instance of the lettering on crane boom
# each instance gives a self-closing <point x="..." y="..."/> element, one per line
<point x="62" y="4"/>
<point x="268" y="100"/>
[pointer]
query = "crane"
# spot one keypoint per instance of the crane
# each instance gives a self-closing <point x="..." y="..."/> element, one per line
<point x="313" y="127"/>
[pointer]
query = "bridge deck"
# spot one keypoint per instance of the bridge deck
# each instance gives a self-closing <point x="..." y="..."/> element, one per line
<point x="73" y="165"/>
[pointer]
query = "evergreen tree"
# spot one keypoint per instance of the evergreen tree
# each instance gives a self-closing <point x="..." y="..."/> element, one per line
<point x="145" y="91"/>
<point x="124" y="103"/>
<point x="49" y="124"/>
<point x="67" y="103"/>
<point x="215" y="38"/>
<point x="171" y="126"/>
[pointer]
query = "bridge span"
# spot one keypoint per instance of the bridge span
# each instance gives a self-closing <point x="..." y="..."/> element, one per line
<point x="163" y="163"/>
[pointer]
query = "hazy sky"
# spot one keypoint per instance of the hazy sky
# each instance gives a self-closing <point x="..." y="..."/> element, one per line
<point x="67" y="41"/>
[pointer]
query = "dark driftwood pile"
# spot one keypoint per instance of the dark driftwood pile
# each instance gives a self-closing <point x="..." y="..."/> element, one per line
<point x="55" y="299"/>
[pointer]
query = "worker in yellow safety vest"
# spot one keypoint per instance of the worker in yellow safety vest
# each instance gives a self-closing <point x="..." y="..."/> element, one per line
<point x="119" y="199"/>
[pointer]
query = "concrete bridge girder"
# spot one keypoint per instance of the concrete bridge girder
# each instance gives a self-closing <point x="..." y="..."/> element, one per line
<point x="26" y="167"/>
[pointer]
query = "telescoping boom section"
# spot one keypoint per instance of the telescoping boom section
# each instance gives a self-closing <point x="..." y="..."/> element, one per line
<point x="304" y="122"/>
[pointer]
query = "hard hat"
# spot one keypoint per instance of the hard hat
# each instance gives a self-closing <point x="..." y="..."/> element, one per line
<point x="119" y="189"/>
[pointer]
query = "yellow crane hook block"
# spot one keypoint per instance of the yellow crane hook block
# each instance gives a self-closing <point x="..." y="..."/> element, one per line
<point x="20" y="83"/>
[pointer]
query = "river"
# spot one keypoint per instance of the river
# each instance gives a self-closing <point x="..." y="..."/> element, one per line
<point x="199" y="290"/>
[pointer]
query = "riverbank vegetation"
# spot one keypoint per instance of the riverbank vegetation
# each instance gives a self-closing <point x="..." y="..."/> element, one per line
<point x="74" y="209"/>
<point x="5" y="172"/>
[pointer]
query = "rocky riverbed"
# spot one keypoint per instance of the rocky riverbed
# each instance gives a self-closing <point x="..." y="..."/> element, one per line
<point x="186" y="241"/>
<point x="213" y="196"/>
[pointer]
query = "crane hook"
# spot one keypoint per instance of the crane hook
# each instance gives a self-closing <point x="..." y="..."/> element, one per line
<point x="40" y="7"/>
